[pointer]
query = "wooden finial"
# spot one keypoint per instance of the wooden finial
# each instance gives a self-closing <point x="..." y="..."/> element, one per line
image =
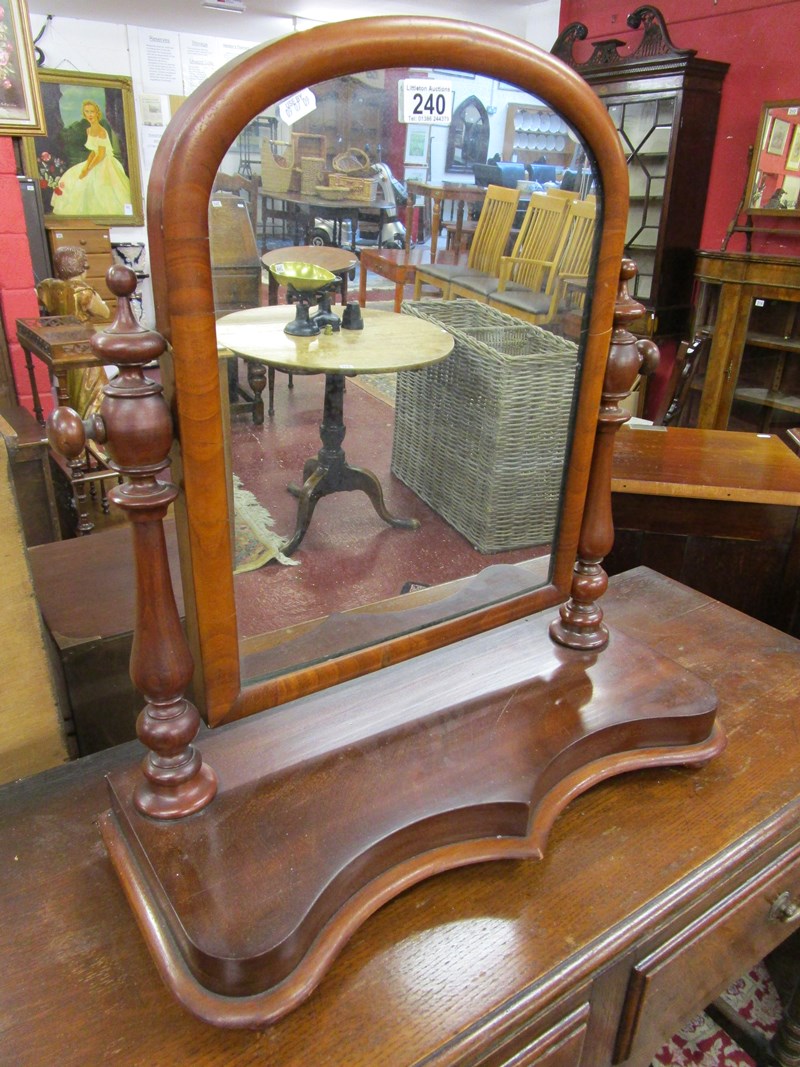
<point x="135" y="425"/>
<point x="580" y="624"/>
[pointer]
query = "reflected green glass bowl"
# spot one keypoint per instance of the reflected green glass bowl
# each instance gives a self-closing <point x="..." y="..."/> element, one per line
<point x="305" y="277"/>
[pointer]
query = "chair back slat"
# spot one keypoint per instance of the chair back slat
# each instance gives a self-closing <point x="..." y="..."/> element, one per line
<point x="575" y="252"/>
<point x="539" y="235"/>
<point x="493" y="229"/>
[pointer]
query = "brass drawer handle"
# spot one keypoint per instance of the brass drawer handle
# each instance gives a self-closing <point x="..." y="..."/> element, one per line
<point x="784" y="910"/>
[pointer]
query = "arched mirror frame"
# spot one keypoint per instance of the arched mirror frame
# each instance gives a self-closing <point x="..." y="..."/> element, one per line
<point x="188" y="158"/>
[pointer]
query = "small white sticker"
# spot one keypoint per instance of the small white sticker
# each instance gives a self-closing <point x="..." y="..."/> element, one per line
<point x="297" y="106"/>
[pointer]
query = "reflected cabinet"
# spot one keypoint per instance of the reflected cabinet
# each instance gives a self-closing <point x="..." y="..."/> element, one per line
<point x="748" y="304"/>
<point x="664" y="102"/>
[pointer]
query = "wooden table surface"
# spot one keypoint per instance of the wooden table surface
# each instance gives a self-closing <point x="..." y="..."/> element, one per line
<point x="337" y="260"/>
<point x="388" y="342"/>
<point x="79" y="988"/>
<point x="706" y="465"/>
<point x="460" y="194"/>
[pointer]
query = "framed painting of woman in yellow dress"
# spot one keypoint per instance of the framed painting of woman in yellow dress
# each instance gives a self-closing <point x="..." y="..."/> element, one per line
<point x="87" y="164"/>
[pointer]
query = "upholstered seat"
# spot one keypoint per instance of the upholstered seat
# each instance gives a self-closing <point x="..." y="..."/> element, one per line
<point x="488" y="245"/>
<point x="567" y="272"/>
<point x="531" y="259"/>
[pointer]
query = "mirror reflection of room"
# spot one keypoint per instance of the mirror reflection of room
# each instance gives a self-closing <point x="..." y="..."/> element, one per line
<point x="484" y="226"/>
<point x="743" y="379"/>
<point x="775" y="184"/>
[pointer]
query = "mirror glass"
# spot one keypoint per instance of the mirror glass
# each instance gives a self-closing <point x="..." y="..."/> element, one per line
<point x="469" y="451"/>
<point x="774" y="183"/>
<point x="468" y="136"/>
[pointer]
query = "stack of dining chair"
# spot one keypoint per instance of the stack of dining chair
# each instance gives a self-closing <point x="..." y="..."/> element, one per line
<point x="542" y="287"/>
<point x="492" y="233"/>
<point x="531" y="258"/>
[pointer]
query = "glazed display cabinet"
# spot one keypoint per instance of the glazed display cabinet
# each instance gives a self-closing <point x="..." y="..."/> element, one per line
<point x="665" y="103"/>
<point x="750" y="379"/>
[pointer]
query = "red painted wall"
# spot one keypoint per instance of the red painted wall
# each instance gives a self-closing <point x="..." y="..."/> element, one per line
<point x="17" y="293"/>
<point x="760" y="39"/>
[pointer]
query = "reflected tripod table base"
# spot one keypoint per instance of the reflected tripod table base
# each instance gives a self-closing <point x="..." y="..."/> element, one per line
<point x="329" y="472"/>
<point x="384" y="343"/>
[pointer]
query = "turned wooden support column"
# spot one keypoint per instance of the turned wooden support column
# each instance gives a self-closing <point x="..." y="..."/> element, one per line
<point x="580" y="624"/>
<point x="136" y="425"/>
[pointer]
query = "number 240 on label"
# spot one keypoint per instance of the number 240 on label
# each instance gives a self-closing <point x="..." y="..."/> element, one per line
<point x="426" y="102"/>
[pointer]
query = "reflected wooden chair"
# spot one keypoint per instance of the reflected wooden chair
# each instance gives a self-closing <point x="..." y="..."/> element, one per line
<point x="563" y="194"/>
<point x="566" y="276"/>
<point x="673" y="406"/>
<point x="488" y="245"/>
<point x="236" y="275"/>
<point x="247" y="188"/>
<point x="532" y="256"/>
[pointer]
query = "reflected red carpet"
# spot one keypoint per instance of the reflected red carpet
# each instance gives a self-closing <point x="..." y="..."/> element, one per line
<point x="349" y="556"/>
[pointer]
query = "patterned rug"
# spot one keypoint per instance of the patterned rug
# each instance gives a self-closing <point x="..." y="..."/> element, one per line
<point x="256" y="543"/>
<point x="701" y="1043"/>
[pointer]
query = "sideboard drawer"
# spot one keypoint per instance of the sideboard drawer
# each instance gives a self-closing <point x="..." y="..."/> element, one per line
<point x="559" y="1044"/>
<point x="692" y="967"/>
<point x="92" y="239"/>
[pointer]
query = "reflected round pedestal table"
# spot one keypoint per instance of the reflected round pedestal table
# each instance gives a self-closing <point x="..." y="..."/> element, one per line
<point x="387" y="343"/>
<point x="339" y="261"/>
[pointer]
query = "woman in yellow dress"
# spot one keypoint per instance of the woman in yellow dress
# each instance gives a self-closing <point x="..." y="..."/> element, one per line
<point x="99" y="186"/>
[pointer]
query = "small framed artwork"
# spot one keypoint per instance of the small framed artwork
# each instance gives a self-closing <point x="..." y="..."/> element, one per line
<point x="21" y="111"/>
<point x="87" y="164"/>
<point x="417" y="142"/>
<point x="778" y="136"/>
<point x="793" y="159"/>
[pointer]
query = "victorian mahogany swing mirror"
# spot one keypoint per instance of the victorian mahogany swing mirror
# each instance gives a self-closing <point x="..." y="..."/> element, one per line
<point x="278" y="631"/>
<point x="405" y="734"/>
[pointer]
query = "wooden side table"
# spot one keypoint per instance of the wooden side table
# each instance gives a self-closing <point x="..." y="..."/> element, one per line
<point x="436" y="196"/>
<point x="339" y="261"/>
<point x="715" y="509"/>
<point x="399" y="265"/>
<point x="385" y="343"/>
<point x="62" y="343"/>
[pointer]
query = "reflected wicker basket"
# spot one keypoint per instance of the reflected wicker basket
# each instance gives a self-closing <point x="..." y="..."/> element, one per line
<point x="312" y="170"/>
<point x="482" y="436"/>
<point x="363" y="190"/>
<point x="277" y="166"/>
<point x="353" y="161"/>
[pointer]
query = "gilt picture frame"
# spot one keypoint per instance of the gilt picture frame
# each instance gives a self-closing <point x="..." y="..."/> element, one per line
<point x="778" y="136"/>
<point x="417" y="145"/>
<point x="773" y="183"/>
<point x="793" y="157"/>
<point x="21" y="111"/>
<point x="87" y="164"/>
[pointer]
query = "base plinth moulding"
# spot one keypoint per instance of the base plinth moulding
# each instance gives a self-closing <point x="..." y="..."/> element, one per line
<point x="330" y="806"/>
